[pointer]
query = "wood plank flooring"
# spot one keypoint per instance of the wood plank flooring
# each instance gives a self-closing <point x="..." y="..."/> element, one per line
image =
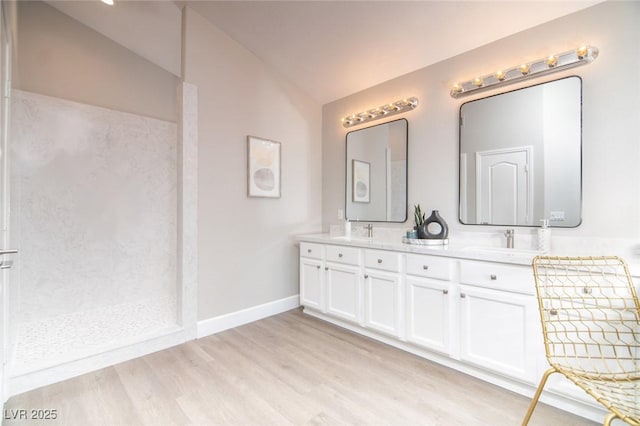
<point x="289" y="369"/>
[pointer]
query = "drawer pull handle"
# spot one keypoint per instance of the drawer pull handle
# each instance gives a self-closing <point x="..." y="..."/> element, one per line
<point x="445" y="291"/>
<point x="494" y="277"/>
<point x="462" y="295"/>
<point x="425" y="267"/>
<point x="339" y="254"/>
<point x="553" y="312"/>
<point x="379" y="260"/>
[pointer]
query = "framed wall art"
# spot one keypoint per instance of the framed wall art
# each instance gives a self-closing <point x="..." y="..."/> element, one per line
<point x="263" y="168"/>
<point x="361" y="178"/>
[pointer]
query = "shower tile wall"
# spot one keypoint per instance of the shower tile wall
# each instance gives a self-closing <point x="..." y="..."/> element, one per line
<point x="93" y="212"/>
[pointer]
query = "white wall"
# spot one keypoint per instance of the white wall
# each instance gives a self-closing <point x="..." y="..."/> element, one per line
<point x="58" y="56"/>
<point x="246" y="250"/>
<point x="611" y="120"/>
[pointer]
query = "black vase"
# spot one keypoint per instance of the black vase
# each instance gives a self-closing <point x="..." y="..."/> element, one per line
<point x="423" y="230"/>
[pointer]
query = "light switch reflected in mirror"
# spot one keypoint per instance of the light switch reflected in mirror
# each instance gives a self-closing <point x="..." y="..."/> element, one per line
<point x="376" y="174"/>
<point x="521" y="156"/>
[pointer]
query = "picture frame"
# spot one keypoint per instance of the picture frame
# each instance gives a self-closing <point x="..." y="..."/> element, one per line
<point x="264" y="170"/>
<point x="361" y="181"/>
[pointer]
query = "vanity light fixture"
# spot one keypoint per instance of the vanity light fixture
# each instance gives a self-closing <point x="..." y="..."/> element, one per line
<point x="393" y="108"/>
<point x="573" y="58"/>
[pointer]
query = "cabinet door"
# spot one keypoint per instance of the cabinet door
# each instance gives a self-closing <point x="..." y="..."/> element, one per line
<point x="311" y="283"/>
<point x="429" y="313"/>
<point x="498" y="331"/>
<point x="343" y="286"/>
<point x="382" y="301"/>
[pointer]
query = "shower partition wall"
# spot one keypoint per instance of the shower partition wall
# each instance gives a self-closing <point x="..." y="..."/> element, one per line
<point x="103" y="211"/>
<point x="94" y="210"/>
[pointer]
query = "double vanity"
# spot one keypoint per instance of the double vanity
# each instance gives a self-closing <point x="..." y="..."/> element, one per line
<point x="472" y="309"/>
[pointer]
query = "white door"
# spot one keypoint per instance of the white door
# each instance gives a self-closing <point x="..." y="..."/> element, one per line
<point x="382" y="301"/>
<point x="311" y="283"/>
<point x="428" y="313"/>
<point x="343" y="291"/>
<point x="498" y="332"/>
<point x="503" y="186"/>
<point x="5" y="255"/>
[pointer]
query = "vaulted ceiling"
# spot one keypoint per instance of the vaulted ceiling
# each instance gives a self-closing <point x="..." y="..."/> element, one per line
<point x="330" y="49"/>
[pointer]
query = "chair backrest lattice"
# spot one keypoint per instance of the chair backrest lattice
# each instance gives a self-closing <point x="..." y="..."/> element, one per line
<point x="591" y="324"/>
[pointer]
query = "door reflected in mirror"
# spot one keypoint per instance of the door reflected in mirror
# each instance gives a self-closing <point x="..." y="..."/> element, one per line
<point x="376" y="175"/>
<point x="521" y="156"/>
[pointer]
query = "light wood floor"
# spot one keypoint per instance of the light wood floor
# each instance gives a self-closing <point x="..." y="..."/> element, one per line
<point x="289" y="369"/>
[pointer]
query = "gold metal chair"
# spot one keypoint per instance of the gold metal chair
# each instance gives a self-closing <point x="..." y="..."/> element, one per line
<point x="591" y="324"/>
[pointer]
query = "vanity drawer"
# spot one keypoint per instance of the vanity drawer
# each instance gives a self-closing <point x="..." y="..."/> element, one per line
<point x="381" y="259"/>
<point x="429" y="266"/>
<point x="518" y="279"/>
<point x="314" y="251"/>
<point x="342" y="254"/>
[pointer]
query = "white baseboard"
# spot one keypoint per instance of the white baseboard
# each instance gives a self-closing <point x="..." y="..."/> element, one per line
<point x="234" y="319"/>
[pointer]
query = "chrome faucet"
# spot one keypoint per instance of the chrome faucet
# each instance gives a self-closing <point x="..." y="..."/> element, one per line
<point x="510" y="234"/>
<point x="369" y="229"/>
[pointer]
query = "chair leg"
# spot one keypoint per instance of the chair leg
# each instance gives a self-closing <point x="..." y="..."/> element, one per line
<point x="609" y="419"/>
<point x="536" y="396"/>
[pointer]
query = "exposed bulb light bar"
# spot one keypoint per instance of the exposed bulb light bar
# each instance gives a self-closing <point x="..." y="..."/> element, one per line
<point x="382" y="111"/>
<point x="553" y="63"/>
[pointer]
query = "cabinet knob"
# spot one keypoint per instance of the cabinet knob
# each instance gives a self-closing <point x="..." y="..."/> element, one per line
<point x="587" y="290"/>
<point x="318" y="266"/>
<point x="379" y="260"/>
<point x="462" y="295"/>
<point x="494" y="277"/>
<point x="445" y="291"/>
<point x="425" y="267"/>
<point x="308" y="250"/>
<point x="326" y="268"/>
<point x="553" y="312"/>
<point x="366" y="276"/>
<point x="339" y="254"/>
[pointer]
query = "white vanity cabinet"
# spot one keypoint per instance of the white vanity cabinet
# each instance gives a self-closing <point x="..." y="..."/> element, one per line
<point x="477" y="316"/>
<point x="312" y="276"/>
<point x="499" y="321"/>
<point x="383" y="292"/>
<point x="428" y="302"/>
<point x="343" y="282"/>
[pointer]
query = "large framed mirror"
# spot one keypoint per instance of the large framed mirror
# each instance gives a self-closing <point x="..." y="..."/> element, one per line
<point x="376" y="174"/>
<point x="521" y="156"/>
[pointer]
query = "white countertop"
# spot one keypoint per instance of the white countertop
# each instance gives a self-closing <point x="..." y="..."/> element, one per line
<point x="453" y="249"/>
<point x="460" y="249"/>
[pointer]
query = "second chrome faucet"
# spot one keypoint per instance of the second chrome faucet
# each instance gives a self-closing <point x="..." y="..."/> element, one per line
<point x="510" y="234"/>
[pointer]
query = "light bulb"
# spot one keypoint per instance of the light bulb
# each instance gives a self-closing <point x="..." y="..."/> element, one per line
<point x="478" y="82"/>
<point x="109" y="2"/>
<point x="524" y="69"/>
<point x="582" y="52"/>
<point x="500" y="75"/>
<point x="457" y="88"/>
<point x="552" y="61"/>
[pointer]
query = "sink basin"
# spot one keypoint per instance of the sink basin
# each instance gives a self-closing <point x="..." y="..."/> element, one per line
<point x="511" y="252"/>
<point x="351" y="238"/>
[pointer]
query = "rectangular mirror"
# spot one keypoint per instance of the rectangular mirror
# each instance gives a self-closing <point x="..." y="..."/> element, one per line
<point x="521" y="156"/>
<point x="376" y="177"/>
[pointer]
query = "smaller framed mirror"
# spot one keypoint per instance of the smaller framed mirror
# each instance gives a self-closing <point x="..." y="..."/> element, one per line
<point x="376" y="175"/>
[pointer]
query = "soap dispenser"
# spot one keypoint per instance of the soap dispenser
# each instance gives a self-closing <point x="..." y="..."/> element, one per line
<point x="544" y="237"/>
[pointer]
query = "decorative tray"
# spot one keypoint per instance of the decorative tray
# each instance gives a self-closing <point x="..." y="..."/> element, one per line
<point x="425" y="242"/>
